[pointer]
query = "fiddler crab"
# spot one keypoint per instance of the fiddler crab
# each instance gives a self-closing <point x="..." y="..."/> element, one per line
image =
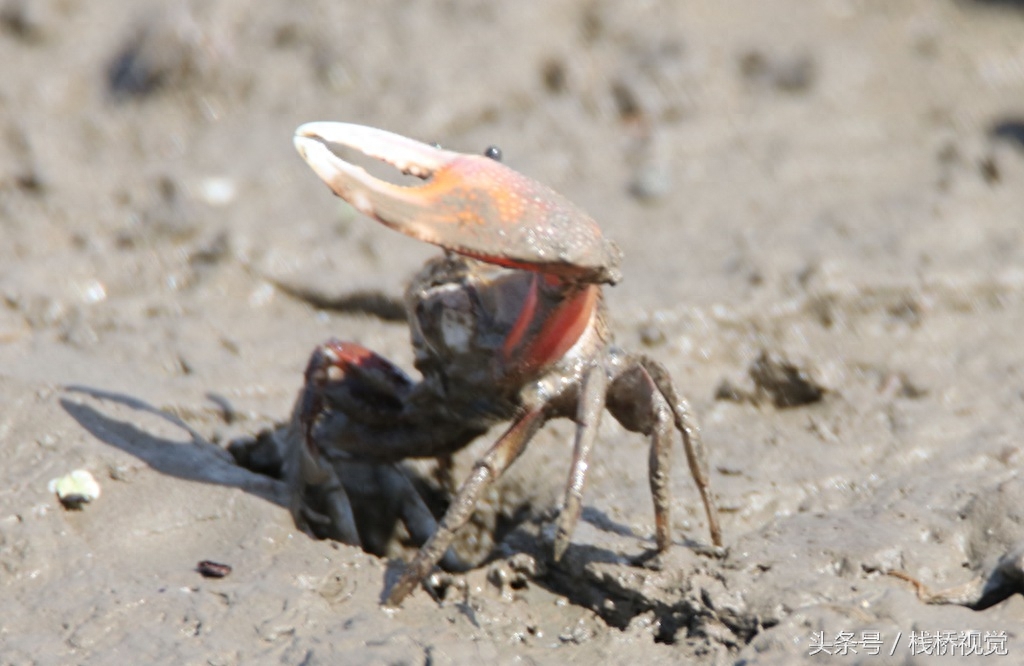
<point x="509" y="325"/>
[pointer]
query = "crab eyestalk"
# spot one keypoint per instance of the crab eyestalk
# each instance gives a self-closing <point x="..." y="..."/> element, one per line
<point x="468" y="204"/>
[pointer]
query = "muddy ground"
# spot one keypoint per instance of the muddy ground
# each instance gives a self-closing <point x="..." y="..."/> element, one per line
<point x="820" y="209"/>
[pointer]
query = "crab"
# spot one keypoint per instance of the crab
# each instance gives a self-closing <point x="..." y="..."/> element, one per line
<point x="508" y="325"/>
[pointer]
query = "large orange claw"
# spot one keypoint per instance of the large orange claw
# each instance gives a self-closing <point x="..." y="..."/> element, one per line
<point x="468" y="204"/>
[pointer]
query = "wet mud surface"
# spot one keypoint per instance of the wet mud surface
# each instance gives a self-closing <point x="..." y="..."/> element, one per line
<point x="819" y="207"/>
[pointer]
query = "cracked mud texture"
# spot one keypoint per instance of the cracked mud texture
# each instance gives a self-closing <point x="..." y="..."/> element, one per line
<point x="830" y="190"/>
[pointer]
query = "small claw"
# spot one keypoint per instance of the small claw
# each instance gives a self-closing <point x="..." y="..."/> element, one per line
<point x="469" y="204"/>
<point x="348" y="377"/>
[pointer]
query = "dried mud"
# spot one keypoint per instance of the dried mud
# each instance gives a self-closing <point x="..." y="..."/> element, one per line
<point x="820" y="209"/>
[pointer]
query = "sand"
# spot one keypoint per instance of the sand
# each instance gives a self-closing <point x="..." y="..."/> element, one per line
<point x="819" y="206"/>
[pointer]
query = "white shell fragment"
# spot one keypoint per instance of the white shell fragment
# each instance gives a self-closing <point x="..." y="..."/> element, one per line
<point x="75" y="489"/>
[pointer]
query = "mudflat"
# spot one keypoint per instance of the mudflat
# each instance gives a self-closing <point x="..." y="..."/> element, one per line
<point x="819" y="206"/>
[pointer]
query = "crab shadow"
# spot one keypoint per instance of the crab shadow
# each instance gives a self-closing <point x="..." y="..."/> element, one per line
<point x="197" y="460"/>
<point x="201" y="460"/>
<point x="255" y="465"/>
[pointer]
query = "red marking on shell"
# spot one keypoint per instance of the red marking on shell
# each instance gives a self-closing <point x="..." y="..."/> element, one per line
<point x="523" y="321"/>
<point x="560" y="331"/>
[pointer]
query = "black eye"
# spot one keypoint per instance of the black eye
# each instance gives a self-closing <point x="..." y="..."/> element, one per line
<point x="493" y="152"/>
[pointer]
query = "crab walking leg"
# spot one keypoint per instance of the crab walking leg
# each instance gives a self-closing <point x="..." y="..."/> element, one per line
<point x="660" y="465"/>
<point x="485" y="472"/>
<point x="339" y="509"/>
<point x="635" y="400"/>
<point x="696" y="454"/>
<point x="412" y="509"/>
<point x="304" y="470"/>
<point x="588" y="420"/>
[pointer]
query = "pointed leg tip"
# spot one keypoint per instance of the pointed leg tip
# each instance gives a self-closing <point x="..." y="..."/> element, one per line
<point x="563" y="529"/>
<point x="560" y="546"/>
<point x="396" y="596"/>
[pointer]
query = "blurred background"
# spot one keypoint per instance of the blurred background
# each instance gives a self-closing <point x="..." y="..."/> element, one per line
<point x="729" y="148"/>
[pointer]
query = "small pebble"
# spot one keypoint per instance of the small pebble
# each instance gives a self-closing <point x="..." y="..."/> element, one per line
<point x="75" y="489"/>
<point x="210" y="569"/>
